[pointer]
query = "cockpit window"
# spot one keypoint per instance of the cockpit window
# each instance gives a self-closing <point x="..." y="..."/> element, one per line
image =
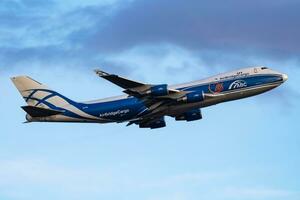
<point x="264" y="68"/>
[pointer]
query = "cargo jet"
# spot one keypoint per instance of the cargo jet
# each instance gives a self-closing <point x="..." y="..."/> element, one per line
<point x="146" y="105"/>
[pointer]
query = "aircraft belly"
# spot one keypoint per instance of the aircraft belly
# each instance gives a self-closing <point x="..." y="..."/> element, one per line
<point x="63" y="118"/>
<point x="228" y="96"/>
<point x="235" y="95"/>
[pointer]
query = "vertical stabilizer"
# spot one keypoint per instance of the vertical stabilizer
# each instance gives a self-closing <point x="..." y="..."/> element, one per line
<point x="37" y="94"/>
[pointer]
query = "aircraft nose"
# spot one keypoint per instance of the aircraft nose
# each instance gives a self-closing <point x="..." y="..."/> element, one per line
<point x="284" y="77"/>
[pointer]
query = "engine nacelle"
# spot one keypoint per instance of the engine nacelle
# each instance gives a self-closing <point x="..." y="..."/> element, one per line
<point x="194" y="97"/>
<point x="191" y="115"/>
<point x="160" y="123"/>
<point x="159" y="90"/>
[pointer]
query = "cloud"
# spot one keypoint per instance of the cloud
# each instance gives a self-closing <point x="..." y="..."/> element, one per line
<point x="183" y="179"/>
<point x="257" y="193"/>
<point x="133" y="37"/>
<point x="251" y="27"/>
<point x="84" y="33"/>
<point x="40" y="171"/>
<point x="25" y="178"/>
<point x="49" y="31"/>
<point x="27" y="24"/>
<point x="167" y="60"/>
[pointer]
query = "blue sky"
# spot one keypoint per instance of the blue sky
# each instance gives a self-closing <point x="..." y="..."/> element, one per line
<point x="244" y="150"/>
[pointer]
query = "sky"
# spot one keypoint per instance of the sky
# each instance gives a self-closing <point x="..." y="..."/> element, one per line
<point x="244" y="150"/>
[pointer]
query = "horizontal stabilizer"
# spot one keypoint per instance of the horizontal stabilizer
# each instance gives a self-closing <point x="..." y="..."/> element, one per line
<point x="39" y="112"/>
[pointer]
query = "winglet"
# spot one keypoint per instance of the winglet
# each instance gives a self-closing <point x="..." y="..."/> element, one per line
<point x="101" y="73"/>
<point x="118" y="80"/>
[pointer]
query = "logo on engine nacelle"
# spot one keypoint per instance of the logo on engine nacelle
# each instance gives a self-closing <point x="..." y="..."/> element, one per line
<point x="237" y="84"/>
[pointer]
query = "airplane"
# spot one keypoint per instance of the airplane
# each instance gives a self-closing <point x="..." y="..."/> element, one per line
<point x="146" y="105"/>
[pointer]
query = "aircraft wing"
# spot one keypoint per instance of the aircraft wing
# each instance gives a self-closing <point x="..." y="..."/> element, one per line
<point x="141" y="90"/>
<point x="156" y="98"/>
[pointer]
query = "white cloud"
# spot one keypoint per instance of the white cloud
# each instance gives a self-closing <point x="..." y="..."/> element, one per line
<point x="20" y="178"/>
<point x="169" y="63"/>
<point x="172" y="196"/>
<point x="36" y="173"/>
<point x="40" y="24"/>
<point x="71" y="4"/>
<point x="257" y="193"/>
<point x="195" y="178"/>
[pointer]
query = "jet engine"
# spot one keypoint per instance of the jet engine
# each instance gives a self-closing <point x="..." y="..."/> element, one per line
<point x="159" y="90"/>
<point x="193" y="97"/>
<point x="191" y="115"/>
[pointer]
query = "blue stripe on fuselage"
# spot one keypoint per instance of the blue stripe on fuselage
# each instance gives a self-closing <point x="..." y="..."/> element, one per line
<point x="254" y="80"/>
<point x="119" y="110"/>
